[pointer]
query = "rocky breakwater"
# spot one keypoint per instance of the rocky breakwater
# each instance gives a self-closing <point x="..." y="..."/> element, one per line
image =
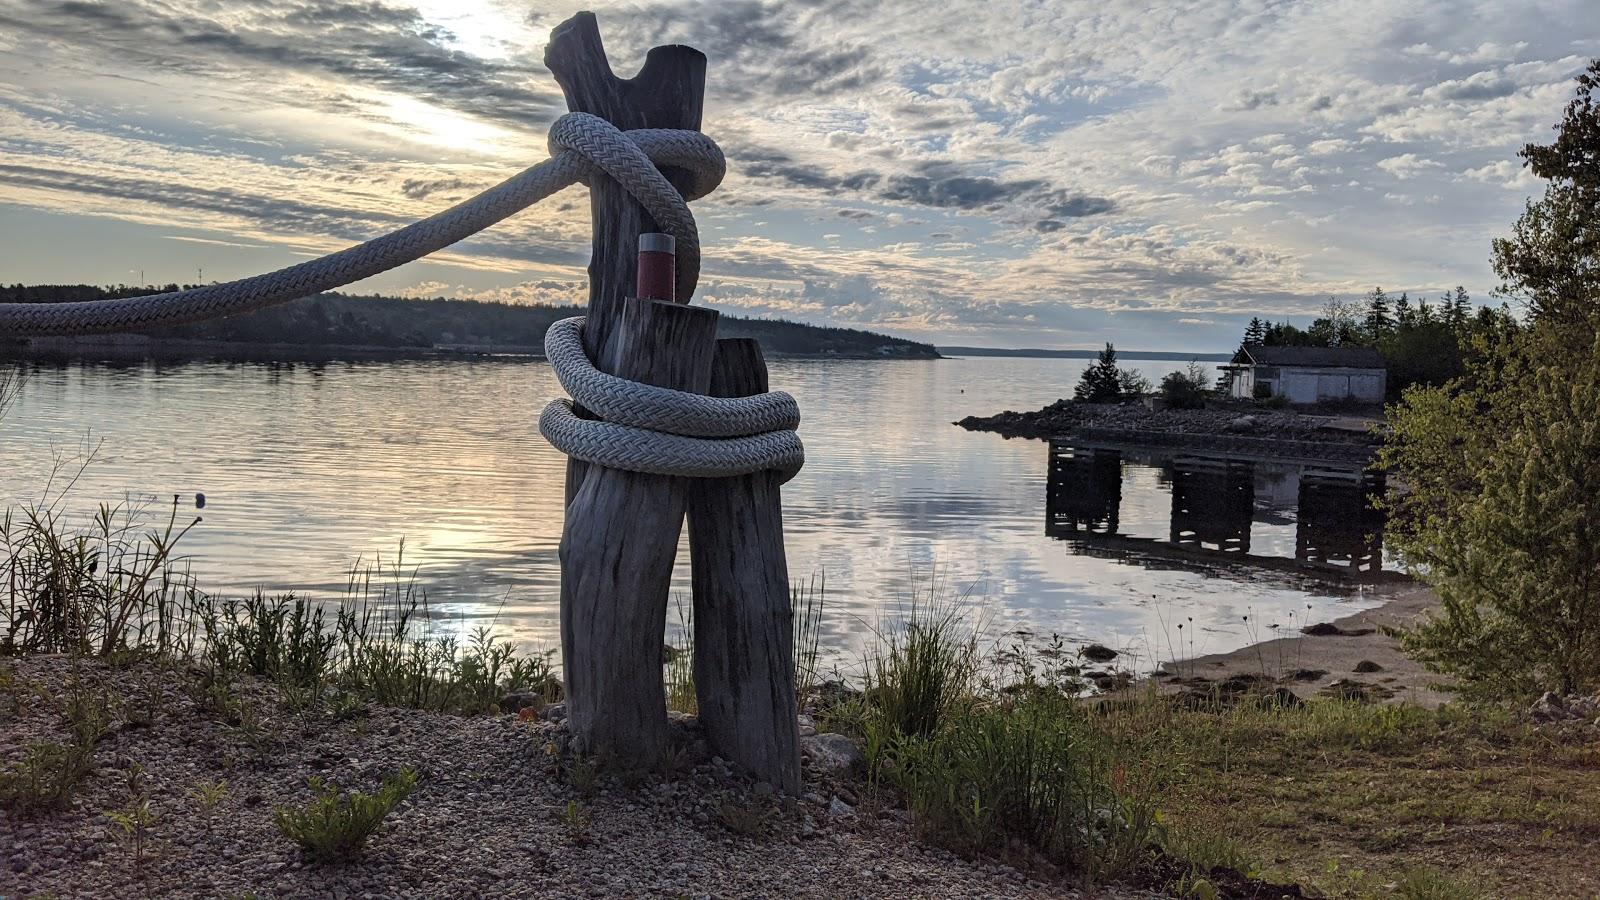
<point x="1228" y="427"/>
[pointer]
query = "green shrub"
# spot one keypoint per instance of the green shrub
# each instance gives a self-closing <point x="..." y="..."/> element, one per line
<point x="45" y="778"/>
<point x="334" y="827"/>
<point x="282" y="639"/>
<point x="1186" y="389"/>
<point x="575" y="819"/>
<point x="1499" y="516"/>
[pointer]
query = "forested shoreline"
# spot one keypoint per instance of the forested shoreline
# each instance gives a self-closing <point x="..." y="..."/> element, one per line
<point x="402" y="325"/>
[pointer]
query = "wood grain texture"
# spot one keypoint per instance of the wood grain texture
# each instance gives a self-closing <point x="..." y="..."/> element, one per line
<point x="668" y="92"/>
<point x="622" y="528"/>
<point x="743" y="621"/>
<point x="617" y="552"/>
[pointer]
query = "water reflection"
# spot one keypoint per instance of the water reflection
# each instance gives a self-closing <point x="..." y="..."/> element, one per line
<point x="1218" y="502"/>
<point x="309" y="467"/>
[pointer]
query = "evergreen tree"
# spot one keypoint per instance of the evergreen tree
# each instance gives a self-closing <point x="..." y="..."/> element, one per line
<point x="1403" y="316"/>
<point x="1457" y="309"/>
<point x="1101" y="382"/>
<point x="1255" y="332"/>
<point x="1378" y="323"/>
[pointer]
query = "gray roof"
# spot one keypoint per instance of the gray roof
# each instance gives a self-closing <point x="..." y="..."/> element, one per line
<point x="1318" y="357"/>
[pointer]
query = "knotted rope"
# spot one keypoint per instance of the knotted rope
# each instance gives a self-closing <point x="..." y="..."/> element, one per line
<point x="643" y="428"/>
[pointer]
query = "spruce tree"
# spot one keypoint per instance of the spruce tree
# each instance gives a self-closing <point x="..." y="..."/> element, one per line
<point x="1378" y="323"/>
<point x="1101" y="382"/>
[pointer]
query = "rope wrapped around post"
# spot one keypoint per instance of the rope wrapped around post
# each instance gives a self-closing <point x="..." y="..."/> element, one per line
<point x="624" y="513"/>
<point x="662" y="431"/>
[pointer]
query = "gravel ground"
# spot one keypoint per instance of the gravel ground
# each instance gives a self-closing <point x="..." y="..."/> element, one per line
<point x="486" y="819"/>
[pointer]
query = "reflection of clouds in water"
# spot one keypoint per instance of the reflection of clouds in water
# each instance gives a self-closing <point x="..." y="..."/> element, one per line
<point x="307" y="467"/>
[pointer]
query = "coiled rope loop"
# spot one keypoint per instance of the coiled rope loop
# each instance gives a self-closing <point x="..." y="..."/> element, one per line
<point x="660" y="430"/>
<point x="643" y="428"/>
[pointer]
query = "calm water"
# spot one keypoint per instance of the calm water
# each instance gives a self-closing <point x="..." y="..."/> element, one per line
<point x="307" y="467"/>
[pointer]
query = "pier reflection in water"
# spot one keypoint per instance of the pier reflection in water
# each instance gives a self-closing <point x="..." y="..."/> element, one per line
<point x="1218" y="501"/>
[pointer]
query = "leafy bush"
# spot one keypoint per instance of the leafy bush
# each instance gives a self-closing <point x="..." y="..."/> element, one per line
<point x="283" y="639"/>
<point x="1500" y="517"/>
<point x="335" y="827"/>
<point x="1186" y="389"/>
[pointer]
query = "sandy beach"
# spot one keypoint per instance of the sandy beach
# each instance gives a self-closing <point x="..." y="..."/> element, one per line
<point x="1351" y="655"/>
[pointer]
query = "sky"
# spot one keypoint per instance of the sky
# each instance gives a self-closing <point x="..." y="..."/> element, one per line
<point x="983" y="172"/>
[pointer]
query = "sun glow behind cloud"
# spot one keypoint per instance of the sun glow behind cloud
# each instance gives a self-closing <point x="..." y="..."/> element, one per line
<point x="425" y="123"/>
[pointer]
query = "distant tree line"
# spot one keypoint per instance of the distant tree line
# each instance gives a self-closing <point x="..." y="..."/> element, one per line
<point x="1422" y="342"/>
<point x="396" y="322"/>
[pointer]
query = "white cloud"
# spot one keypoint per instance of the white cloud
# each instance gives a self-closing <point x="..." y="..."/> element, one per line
<point x="1002" y="162"/>
<point x="1408" y="165"/>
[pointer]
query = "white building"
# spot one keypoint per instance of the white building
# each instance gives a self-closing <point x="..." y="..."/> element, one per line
<point x="1310" y="374"/>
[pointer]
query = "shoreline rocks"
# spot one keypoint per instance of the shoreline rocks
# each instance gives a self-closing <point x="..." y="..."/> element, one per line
<point x="1222" y="425"/>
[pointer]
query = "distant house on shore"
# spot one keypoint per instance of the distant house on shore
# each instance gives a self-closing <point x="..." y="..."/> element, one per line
<point x="1309" y="374"/>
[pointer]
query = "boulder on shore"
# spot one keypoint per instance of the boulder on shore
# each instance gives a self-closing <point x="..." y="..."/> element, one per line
<point x="833" y="754"/>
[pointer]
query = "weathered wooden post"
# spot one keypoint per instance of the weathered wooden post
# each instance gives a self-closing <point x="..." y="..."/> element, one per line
<point x="622" y="528"/>
<point x="743" y="623"/>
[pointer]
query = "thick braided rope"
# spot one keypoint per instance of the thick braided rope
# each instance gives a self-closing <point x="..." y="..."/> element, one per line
<point x="580" y="144"/>
<point x="658" y="453"/>
<point x="660" y="430"/>
<point x="657" y="408"/>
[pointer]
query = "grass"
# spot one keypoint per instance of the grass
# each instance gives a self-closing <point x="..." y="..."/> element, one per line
<point x="334" y="827"/>
<point x="992" y="749"/>
<point x="995" y="753"/>
<point x="50" y="772"/>
<point x="114" y="589"/>
<point x="45" y="778"/>
<point x="990" y="765"/>
<point x="807" y="600"/>
<point x="1354" y="799"/>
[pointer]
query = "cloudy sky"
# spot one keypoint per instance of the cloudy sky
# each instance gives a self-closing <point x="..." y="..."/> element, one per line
<point x="999" y="173"/>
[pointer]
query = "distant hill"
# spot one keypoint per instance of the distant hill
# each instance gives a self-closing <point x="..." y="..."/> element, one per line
<point x="1084" y="354"/>
<point x="400" y="325"/>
